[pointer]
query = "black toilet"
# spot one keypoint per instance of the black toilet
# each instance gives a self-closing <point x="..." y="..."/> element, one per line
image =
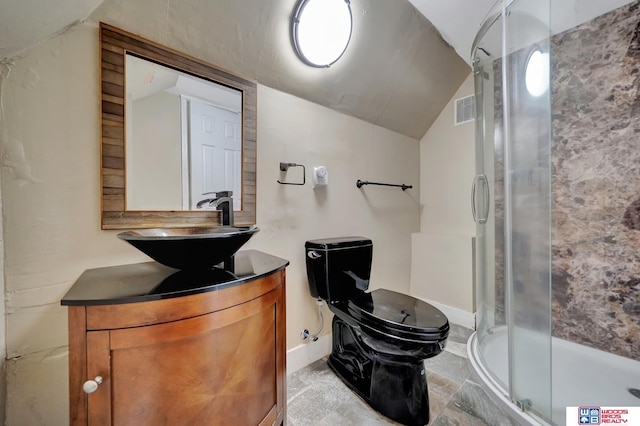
<point x="381" y="338"/>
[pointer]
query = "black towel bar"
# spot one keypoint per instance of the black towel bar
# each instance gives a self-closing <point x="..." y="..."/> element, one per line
<point x="360" y="183"/>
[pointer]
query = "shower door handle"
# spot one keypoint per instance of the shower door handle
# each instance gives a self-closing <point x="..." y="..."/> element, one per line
<point x="473" y="199"/>
<point x="485" y="199"/>
<point x="480" y="180"/>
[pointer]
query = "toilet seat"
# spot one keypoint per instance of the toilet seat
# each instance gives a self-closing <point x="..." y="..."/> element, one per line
<point x="399" y="315"/>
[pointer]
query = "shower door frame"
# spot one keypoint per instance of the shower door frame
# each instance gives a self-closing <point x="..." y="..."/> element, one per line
<point x="522" y="141"/>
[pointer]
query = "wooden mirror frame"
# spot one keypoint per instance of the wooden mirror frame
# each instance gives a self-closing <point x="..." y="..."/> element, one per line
<point x="114" y="45"/>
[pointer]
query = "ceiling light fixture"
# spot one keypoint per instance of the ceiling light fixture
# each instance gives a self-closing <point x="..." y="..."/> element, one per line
<point x="321" y="30"/>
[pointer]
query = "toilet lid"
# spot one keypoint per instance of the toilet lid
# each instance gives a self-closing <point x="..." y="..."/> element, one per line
<point x="401" y="313"/>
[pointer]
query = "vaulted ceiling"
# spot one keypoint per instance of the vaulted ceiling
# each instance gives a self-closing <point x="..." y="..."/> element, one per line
<point x="397" y="72"/>
<point x="405" y="60"/>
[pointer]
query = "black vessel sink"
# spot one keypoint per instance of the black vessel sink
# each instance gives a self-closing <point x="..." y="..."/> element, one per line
<point x="190" y="248"/>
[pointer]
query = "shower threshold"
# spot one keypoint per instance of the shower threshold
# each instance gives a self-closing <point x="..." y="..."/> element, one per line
<point x="580" y="376"/>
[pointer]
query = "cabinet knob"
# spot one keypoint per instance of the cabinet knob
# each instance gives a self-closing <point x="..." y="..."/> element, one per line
<point x="90" y="386"/>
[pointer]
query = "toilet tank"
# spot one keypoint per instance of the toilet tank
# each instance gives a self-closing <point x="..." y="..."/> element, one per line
<point x="338" y="268"/>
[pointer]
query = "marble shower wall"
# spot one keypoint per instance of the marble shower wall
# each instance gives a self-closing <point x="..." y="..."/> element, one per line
<point x="596" y="182"/>
<point x="595" y="83"/>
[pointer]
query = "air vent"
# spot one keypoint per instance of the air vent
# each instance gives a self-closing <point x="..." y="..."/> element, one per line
<point x="465" y="110"/>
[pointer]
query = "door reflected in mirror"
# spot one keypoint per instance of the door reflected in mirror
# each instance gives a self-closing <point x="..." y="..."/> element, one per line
<point x="184" y="138"/>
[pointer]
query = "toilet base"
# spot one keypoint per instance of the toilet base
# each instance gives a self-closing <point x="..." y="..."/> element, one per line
<point x="396" y="389"/>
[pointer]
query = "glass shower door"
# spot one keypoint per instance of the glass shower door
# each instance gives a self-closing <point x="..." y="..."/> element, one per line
<point x="511" y="201"/>
<point x="488" y="202"/>
<point x="527" y="166"/>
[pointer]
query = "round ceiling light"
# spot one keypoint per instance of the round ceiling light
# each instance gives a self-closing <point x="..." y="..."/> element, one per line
<point x="321" y="30"/>
<point x="536" y="76"/>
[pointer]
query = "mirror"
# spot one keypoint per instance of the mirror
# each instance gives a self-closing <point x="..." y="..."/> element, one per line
<point x="183" y="138"/>
<point x="173" y="128"/>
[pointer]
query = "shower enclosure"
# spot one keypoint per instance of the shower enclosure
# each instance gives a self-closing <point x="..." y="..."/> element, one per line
<point x="519" y="70"/>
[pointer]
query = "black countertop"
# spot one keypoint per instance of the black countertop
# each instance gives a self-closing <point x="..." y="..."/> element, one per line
<point x="143" y="282"/>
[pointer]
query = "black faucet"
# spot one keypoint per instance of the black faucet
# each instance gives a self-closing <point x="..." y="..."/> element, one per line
<point x="223" y="201"/>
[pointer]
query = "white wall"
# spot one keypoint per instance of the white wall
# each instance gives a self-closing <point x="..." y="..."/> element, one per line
<point x="442" y="255"/>
<point x="50" y="193"/>
<point x="293" y="130"/>
<point x="447" y="164"/>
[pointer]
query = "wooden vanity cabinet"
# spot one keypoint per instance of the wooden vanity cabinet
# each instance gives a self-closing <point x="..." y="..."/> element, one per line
<point x="212" y="358"/>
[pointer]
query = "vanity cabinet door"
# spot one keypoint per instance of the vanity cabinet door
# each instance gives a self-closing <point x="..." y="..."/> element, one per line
<point x="99" y="402"/>
<point x="225" y="367"/>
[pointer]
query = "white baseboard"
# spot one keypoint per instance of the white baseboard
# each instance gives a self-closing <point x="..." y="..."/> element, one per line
<point x="454" y="315"/>
<point x="306" y="353"/>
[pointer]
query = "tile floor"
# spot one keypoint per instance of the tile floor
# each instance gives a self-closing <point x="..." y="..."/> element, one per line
<point x="317" y="397"/>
